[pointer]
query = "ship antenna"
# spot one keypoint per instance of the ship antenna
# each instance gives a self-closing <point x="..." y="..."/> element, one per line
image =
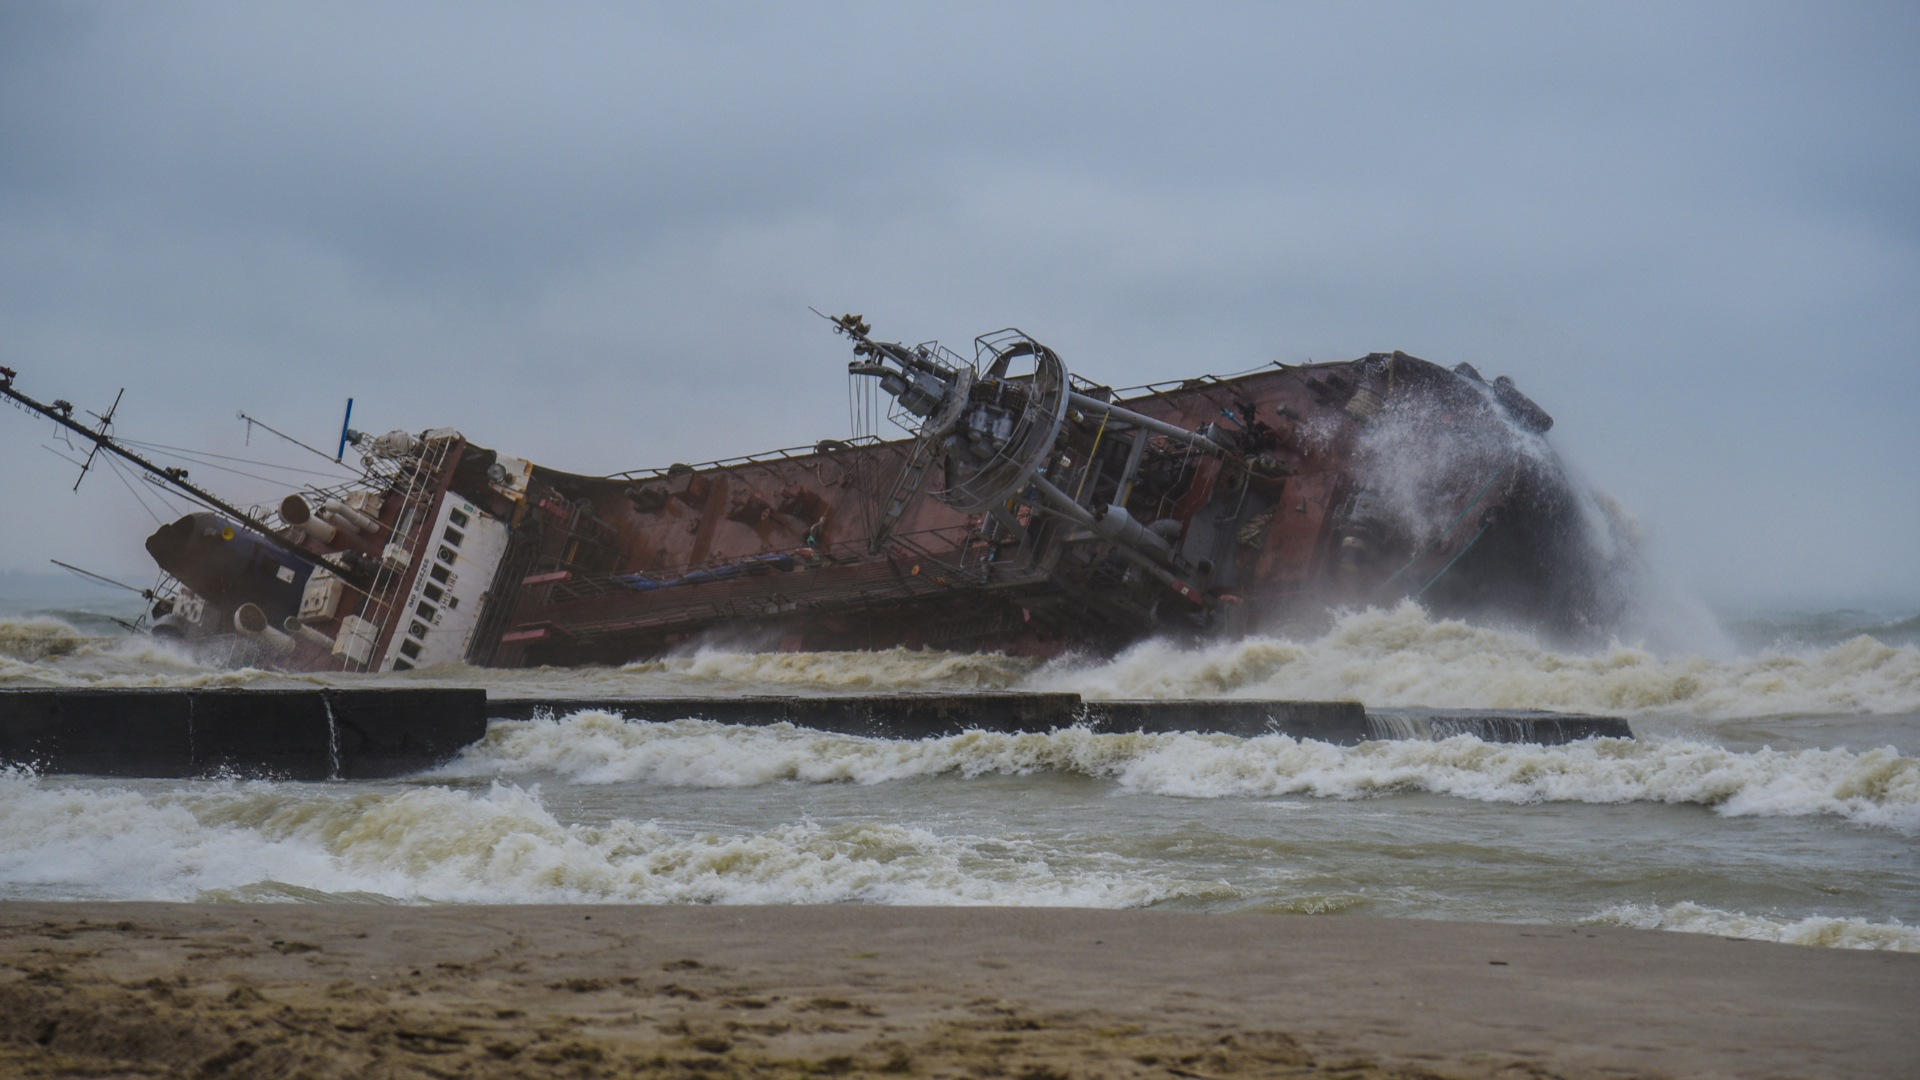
<point x="854" y="326"/>
<point x="346" y="432"/>
<point x="100" y="435"/>
<point x="148" y="593"/>
<point x="253" y="422"/>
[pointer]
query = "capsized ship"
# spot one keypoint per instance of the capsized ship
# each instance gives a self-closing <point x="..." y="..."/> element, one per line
<point x="1030" y="511"/>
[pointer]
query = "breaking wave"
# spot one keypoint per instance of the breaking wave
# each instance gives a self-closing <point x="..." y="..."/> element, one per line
<point x="35" y="639"/>
<point x="46" y="652"/>
<point x="1833" y="933"/>
<point x="265" y="842"/>
<point x="261" y="842"/>
<point x="886" y="670"/>
<point x="1874" y="787"/>
<point x="1382" y="658"/>
<point x="1402" y="657"/>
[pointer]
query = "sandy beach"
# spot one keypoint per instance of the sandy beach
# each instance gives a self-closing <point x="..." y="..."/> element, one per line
<point x="146" y="989"/>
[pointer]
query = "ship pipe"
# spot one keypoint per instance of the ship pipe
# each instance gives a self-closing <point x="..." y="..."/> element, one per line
<point x="1117" y="525"/>
<point x="333" y="517"/>
<point x="295" y="626"/>
<point x="353" y="520"/>
<point x="1113" y="524"/>
<point x="297" y="514"/>
<point x="1062" y="504"/>
<point x="295" y="511"/>
<point x="339" y="522"/>
<point x="251" y="621"/>
<point x="1128" y="416"/>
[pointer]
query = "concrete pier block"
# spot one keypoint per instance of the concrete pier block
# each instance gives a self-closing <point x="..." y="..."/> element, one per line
<point x="305" y="734"/>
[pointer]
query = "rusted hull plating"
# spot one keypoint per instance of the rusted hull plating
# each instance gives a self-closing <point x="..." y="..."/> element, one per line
<point x="1339" y="485"/>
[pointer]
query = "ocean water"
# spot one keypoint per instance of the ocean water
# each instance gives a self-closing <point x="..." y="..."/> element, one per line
<point x="1773" y="791"/>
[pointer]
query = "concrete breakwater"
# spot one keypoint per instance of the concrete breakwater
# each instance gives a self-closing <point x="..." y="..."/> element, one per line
<point x="922" y="716"/>
<point x="347" y="734"/>
<point x="306" y="734"/>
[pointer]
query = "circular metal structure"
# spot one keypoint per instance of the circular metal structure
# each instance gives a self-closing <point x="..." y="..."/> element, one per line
<point x="1038" y="404"/>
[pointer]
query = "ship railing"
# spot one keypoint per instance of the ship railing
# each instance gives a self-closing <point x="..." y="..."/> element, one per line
<point x="1121" y="393"/>
<point x="788" y="453"/>
<point x="383" y="475"/>
<point x="165" y="587"/>
<point x="944" y="549"/>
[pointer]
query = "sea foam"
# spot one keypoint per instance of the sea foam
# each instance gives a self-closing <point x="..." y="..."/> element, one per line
<point x="1874" y="787"/>
<point x="1403" y="657"/>
<point x="1383" y="658"/>
<point x="261" y="841"/>
<point x="34" y="639"/>
<point x="1834" y="933"/>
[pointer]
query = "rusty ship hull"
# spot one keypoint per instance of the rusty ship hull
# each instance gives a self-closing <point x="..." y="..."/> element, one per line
<point x="1028" y="511"/>
<point x="1269" y="550"/>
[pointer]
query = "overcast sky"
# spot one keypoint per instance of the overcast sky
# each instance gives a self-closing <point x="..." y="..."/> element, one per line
<point x="588" y="234"/>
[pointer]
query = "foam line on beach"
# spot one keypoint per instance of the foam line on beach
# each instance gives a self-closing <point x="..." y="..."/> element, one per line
<point x="1819" y="930"/>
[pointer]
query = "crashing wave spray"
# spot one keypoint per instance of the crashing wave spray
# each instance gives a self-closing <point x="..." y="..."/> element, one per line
<point x="1534" y="548"/>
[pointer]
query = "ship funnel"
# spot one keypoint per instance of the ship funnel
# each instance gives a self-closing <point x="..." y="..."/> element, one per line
<point x="251" y="621"/>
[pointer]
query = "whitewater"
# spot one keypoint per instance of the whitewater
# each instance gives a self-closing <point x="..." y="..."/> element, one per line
<point x="1772" y="791"/>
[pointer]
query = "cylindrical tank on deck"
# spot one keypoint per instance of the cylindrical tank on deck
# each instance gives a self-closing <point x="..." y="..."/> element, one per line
<point x="231" y="565"/>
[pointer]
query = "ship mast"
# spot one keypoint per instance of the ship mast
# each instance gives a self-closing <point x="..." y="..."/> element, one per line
<point x="60" y="412"/>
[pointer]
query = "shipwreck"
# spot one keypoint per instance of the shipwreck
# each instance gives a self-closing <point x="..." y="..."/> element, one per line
<point x="1026" y="510"/>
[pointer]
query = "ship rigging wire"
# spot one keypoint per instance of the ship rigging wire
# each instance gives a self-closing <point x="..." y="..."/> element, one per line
<point x="160" y="492"/>
<point x="202" y="454"/>
<point x="200" y="458"/>
<point x="131" y="490"/>
<point x="252" y="423"/>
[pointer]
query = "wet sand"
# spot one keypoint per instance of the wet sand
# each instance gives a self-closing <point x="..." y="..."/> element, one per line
<point x="148" y="990"/>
